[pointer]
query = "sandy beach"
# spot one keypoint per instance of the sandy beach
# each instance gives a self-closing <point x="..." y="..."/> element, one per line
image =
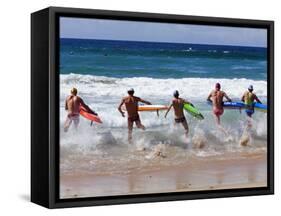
<point x="211" y="174"/>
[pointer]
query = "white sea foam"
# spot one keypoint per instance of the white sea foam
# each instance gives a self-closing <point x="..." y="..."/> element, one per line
<point x="104" y="94"/>
<point x="195" y="88"/>
<point x="239" y="67"/>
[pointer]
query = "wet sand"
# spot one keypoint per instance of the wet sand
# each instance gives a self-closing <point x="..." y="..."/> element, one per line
<point x="204" y="174"/>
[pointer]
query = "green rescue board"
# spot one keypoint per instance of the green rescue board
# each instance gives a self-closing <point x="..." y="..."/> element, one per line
<point x="193" y="111"/>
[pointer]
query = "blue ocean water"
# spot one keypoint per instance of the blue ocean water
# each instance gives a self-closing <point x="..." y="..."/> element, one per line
<point x="161" y="60"/>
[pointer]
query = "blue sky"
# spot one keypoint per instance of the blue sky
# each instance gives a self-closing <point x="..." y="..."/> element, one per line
<point x="160" y="32"/>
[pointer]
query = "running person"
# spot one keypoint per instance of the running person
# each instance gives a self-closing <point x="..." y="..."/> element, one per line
<point x="249" y="98"/>
<point x="216" y="98"/>
<point x="131" y="104"/>
<point x="178" y="103"/>
<point x="72" y="106"/>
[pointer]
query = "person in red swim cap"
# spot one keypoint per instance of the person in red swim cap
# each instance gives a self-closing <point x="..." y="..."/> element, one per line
<point x="216" y="98"/>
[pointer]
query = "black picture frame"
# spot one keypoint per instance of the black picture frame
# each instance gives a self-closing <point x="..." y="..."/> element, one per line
<point x="45" y="99"/>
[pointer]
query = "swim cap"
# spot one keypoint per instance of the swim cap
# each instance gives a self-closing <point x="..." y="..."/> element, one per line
<point x="73" y="91"/>
<point x="218" y="86"/>
<point x="176" y="93"/>
<point x="251" y="87"/>
<point x="131" y="91"/>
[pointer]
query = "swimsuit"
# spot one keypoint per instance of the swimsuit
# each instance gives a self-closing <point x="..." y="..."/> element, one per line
<point x="249" y="112"/>
<point x="218" y="108"/>
<point x="217" y="111"/>
<point x="73" y="117"/>
<point x="134" y="118"/>
<point x="180" y="120"/>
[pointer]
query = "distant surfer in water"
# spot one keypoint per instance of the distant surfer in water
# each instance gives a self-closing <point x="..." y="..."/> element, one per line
<point x="131" y="104"/>
<point x="72" y="106"/>
<point x="249" y="98"/>
<point x="178" y="103"/>
<point x="216" y="98"/>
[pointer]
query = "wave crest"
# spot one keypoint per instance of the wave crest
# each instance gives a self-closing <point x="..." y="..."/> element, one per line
<point x="195" y="88"/>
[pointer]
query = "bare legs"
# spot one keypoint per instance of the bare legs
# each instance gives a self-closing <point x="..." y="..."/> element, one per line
<point x="249" y="120"/>
<point x="185" y="125"/>
<point x="68" y="122"/>
<point x="217" y="119"/>
<point x="130" y="128"/>
<point x="218" y="122"/>
<point x="246" y="136"/>
<point x="139" y="125"/>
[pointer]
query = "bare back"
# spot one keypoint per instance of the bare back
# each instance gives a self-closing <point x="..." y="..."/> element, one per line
<point x="217" y="98"/>
<point x="73" y="104"/>
<point x="178" y="107"/>
<point x="131" y="104"/>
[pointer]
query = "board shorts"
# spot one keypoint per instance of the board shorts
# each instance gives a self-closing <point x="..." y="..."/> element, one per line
<point x="218" y="112"/>
<point x="133" y="119"/>
<point x="180" y="120"/>
<point x="249" y="112"/>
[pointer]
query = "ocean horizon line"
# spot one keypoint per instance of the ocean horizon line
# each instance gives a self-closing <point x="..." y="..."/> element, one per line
<point x="162" y="42"/>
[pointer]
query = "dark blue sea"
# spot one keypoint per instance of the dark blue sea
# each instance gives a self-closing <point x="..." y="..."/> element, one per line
<point x="161" y="60"/>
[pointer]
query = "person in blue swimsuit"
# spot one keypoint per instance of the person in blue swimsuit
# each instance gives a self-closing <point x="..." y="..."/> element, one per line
<point x="249" y="98"/>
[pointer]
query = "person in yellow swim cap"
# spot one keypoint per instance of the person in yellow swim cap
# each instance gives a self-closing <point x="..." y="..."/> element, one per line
<point x="74" y="91"/>
<point x="249" y="98"/>
<point x="72" y="106"/>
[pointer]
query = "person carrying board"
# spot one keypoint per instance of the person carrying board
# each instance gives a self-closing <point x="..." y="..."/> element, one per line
<point x="72" y="106"/>
<point x="216" y="98"/>
<point x="178" y="103"/>
<point x="249" y="98"/>
<point x="131" y="104"/>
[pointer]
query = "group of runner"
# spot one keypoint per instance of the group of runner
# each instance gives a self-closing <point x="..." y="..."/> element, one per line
<point x="216" y="97"/>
